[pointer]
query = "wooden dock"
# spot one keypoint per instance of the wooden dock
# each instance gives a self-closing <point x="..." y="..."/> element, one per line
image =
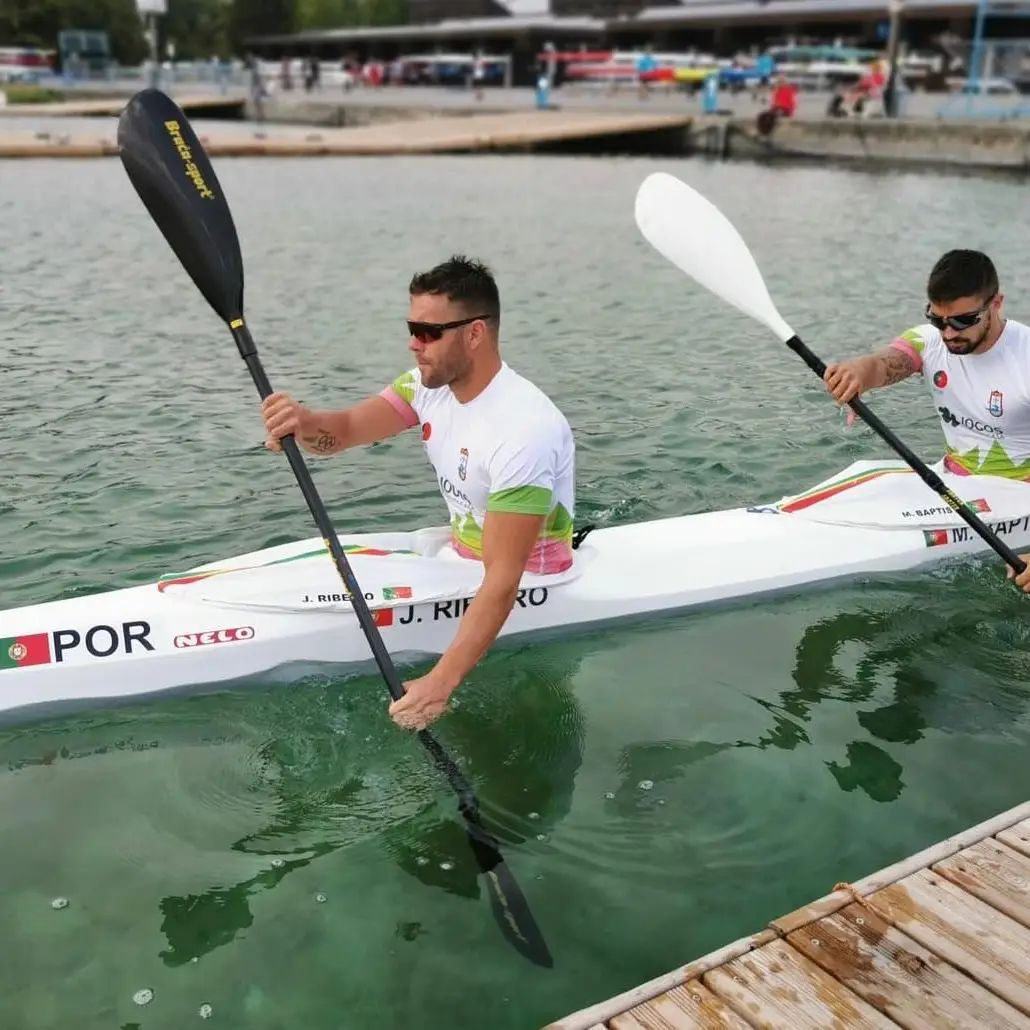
<point x="113" y="106"/>
<point x="522" y="130"/>
<point x="939" y="941"/>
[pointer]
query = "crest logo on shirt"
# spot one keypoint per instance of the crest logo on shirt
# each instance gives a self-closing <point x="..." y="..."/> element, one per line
<point x="427" y="431"/>
<point x="994" y="405"/>
<point x="940" y="379"/>
<point x="463" y="463"/>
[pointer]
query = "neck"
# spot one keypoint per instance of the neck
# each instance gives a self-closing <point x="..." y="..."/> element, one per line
<point x="992" y="337"/>
<point x="479" y="378"/>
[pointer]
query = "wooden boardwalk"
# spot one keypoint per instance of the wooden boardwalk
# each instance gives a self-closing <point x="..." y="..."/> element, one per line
<point x="522" y="130"/>
<point x="939" y="941"/>
<point x="113" y="106"/>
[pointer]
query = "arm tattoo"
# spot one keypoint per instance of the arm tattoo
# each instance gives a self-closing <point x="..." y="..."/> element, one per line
<point x="897" y="365"/>
<point x="321" y="441"/>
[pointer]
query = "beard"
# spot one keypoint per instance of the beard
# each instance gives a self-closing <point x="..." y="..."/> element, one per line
<point x="967" y="344"/>
<point x="437" y="375"/>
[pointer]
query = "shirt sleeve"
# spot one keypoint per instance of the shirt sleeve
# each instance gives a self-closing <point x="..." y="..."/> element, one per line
<point x="912" y="342"/>
<point x="404" y="394"/>
<point x="523" y="471"/>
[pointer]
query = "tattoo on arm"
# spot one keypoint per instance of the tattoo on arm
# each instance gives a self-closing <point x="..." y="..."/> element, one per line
<point x="321" y="441"/>
<point x="897" y="365"/>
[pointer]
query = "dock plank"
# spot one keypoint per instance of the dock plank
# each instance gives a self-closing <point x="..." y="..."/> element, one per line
<point x="777" y="988"/>
<point x="1017" y="838"/>
<point x="940" y="940"/>
<point x="901" y="978"/>
<point x="972" y="936"/>
<point x="995" y="874"/>
<point x="690" y="1007"/>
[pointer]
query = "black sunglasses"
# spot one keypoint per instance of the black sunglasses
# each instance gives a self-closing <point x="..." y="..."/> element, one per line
<point x="426" y="331"/>
<point x="958" y="322"/>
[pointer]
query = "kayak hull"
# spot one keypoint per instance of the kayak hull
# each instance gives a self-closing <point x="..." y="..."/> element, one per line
<point x="281" y="612"/>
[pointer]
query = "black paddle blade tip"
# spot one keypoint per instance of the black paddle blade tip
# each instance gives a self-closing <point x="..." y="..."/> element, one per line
<point x="170" y="170"/>
<point x="515" y="918"/>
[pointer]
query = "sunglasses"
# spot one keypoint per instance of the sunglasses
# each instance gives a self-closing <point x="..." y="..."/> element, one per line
<point x="424" y="332"/>
<point x="957" y="322"/>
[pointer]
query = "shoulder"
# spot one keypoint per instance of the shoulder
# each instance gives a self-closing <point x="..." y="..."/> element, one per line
<point x="1019" y="330"/>
<point x="918" y="337"/>
<point x="910" y="347"/>
<point x="407" y="384"/>
<point x="542" y="416"/>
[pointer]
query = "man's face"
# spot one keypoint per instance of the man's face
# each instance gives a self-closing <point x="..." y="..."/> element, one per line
<point x="973" y="318"/>
<point x="448" y="356"/>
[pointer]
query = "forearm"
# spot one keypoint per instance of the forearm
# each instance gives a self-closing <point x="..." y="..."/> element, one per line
<point x="324" y="432"/>
<point x="884" y="368"/>
<point x="477" y="631"/>
<point x="327" y="432"/>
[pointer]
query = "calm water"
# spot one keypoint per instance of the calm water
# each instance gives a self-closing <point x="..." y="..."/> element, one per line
<point x="790" y="744"/>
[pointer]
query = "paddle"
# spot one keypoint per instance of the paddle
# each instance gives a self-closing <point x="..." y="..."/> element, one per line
<point x="172" y="174"/>
<point x="692" y="233"/>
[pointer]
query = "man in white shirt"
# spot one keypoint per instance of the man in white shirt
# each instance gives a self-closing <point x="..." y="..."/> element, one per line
<point x="975" y="364"/>
<point x="502" y="451"/>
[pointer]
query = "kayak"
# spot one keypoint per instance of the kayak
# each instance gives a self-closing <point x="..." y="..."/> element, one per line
<point x="282" y="612"/>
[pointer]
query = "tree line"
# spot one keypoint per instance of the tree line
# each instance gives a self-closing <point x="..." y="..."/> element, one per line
<point x="199" y="29"/>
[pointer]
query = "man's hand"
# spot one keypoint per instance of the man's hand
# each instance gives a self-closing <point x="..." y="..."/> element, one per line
<point x="425" y="699"/>
<point x="844" y="381"/>
<point x="1023" y="579"/>
<point x="283" y="416"/>
<point x="508" y="541"/>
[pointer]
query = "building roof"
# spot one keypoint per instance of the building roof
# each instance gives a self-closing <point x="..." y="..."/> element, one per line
<point x="534" y="15"/>
<point x="448" y="27"/>
<point x="709" y="10"/>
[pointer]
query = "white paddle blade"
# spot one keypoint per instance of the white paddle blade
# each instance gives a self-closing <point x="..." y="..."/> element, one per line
<point x="700" y="240"/>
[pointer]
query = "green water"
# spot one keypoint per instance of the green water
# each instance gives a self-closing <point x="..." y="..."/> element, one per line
<point x="790" y="743"/>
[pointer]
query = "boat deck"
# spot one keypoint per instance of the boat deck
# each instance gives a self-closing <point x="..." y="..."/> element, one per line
<point x="939" y="941"/>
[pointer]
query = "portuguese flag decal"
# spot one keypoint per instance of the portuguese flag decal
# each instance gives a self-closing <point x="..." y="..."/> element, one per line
<point x="18" y="652"/>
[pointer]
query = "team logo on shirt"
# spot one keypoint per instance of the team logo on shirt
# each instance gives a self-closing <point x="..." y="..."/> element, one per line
<point x="427" y="431"/>
<point x="994" y="405"/>
<point x="463" y="463"/>
<point x="940" y="379"/>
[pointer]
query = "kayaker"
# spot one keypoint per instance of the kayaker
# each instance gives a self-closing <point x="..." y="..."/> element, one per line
<point x="503" y="453"/>
<point x="974" y="362"/>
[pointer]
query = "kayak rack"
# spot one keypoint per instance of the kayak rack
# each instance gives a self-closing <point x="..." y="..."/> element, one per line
<point x="939" y="939"/>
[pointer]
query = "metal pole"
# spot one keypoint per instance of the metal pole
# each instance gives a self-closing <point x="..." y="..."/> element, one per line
<point x="890" y="92"/>
<point x="155" y="71"/>
<point x="973" y="71"/>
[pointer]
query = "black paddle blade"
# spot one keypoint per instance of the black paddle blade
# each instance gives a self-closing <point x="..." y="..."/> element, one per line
<point x="513" y="915"/>
<point x="172" y="174"/>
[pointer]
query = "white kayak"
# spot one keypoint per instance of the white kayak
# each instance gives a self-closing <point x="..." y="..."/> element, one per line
<point x="282" y="611"/>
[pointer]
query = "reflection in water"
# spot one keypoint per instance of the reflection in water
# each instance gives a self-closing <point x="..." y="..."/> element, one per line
<point x="518" y="736"/>
<point x="659" y="762"/>
<point x="906" y="650"/>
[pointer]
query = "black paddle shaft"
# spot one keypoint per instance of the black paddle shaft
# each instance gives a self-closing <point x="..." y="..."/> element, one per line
<point x="507" y="901"/>
<point x="248" y="351"/>
<point x="925" y="473"/>
<point x="467" y="802"/>
<point x="170" y="170"/>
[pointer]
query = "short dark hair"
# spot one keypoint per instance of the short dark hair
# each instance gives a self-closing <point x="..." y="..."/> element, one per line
<point x="962" y="273"/>
<point x="463" y="281"/>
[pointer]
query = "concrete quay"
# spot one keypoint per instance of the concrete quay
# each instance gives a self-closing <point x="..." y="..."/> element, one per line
<point x="407" y="120"/>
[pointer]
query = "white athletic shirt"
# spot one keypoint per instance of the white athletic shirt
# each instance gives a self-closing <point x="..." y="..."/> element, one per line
<point x="983" y="400"/>
<point x="508" y="449"/>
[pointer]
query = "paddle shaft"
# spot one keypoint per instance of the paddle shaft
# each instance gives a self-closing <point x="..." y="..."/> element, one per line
<point x="925" y="473"/>
<point x="467" y="802"/>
